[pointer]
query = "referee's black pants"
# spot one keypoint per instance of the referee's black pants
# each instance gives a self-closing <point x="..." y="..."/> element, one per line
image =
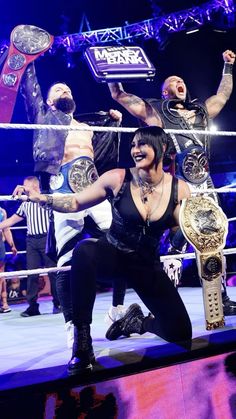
<point x="37" y="258"/>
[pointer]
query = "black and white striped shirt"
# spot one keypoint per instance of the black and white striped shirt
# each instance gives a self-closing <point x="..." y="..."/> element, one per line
<point x="37" y="218"/>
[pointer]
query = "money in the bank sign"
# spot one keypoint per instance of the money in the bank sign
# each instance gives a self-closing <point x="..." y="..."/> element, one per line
<point x="120" y="55"/>
<point x="119" y="62"/>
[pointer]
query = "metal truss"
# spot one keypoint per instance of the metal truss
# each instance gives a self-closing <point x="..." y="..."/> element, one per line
<point x="156" y="28"/>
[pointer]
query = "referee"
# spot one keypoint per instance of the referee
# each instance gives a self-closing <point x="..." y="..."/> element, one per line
<point x="37" y="221"/>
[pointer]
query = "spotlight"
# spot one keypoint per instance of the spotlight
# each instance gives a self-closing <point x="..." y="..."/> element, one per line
<point x="213" y="128"/>
<point x="192" y="31"/>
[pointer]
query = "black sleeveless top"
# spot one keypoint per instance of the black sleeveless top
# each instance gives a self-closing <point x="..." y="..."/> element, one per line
<point x="129" y="232"/>
<point x="171" y="119"/>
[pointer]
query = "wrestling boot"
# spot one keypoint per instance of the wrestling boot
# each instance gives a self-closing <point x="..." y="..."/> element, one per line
<point x="82" y="353"/>
<point x="229" y="307"/>
<point x="32" y="310"/>
<point x="114" y="313"/>
<point x="132" y="322"/>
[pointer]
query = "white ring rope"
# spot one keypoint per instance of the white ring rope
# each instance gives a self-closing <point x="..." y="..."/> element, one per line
<point x="18" y="228"/>
<point x="7" y="198"/>
<point x="19" y="252"/>
<point x="232" y="185"/>
<point x="232" y="219"/>
<point x="199" y="192"/>
<point x="108" y="129"/>
<point x="211" y="190"/>
<point x="38" y="271"/>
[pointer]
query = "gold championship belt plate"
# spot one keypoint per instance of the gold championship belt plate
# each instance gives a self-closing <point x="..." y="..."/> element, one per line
<point x="205" y="226"/>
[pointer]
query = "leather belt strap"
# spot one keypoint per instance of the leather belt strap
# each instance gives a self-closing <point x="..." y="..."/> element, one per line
<point x="27" y="42"/>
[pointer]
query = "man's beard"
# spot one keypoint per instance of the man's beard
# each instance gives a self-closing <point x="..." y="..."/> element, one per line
<point x="65" y="104"/>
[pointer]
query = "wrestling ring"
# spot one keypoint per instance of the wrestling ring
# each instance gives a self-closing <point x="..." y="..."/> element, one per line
<point x="227" y="189"/>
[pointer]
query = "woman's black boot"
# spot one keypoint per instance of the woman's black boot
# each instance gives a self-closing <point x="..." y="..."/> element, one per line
<point x="82" y="354"/>
<point x="132" y="322"/>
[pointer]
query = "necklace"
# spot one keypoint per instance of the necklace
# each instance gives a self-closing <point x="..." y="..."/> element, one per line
<point x="186" y="113"/>
<point x="147" y="188"/>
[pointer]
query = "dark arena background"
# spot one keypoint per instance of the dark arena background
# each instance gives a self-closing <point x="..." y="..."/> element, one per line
<point x="140" y="377"/>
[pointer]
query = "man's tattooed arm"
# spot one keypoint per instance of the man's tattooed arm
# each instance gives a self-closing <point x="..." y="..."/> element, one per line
<point x="88" y="197"/>
<point x="216" y="103"/>
<point x="135" y="105"/>
<point x="62" y="203"/>
<point x="124" y="98"/>
<point x="226" y="86"/>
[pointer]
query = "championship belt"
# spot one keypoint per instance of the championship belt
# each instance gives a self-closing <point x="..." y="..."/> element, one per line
<point x="193" y="165"/>
<point x="82" y="174"/>
<point x="205" y="226"/>
<point x="27" y="42"/>
<point x="119" y="63"/>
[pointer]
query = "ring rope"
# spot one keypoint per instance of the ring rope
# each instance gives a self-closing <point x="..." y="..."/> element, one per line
<point x="108" y="129"/>
<point x="8" y="198"/>
<point x="211" y="190"/>
<point x="38" y="271"/>
<point x="19" y="252"/>
<point x="199" y="192"/>
<point x="232" y="219"/>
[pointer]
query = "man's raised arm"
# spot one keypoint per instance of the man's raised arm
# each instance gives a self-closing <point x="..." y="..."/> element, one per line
<point x="134" y="105"/>
<point x="215" y="103"/>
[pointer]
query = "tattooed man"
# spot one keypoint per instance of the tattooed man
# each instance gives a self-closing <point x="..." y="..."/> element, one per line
<point x="187" y="153"/>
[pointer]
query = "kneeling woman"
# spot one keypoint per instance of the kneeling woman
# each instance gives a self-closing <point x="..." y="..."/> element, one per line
<point x="145" y="202"/>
